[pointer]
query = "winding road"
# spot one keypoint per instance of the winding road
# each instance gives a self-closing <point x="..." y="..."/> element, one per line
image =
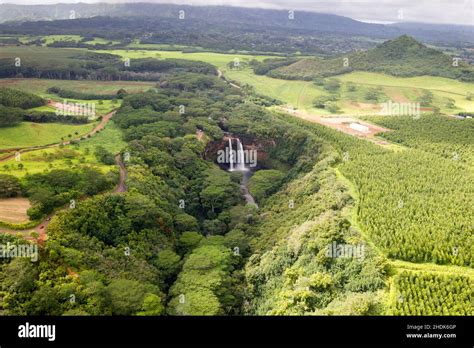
<point x="42" y="227"/>
<point x="12" y="151"/>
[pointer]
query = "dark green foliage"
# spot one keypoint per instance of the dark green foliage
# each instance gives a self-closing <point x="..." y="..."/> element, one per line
<point x="262" y="68"/>
<point x="58" y="187"/>
<point x="104" y="156"/>
<point x="204" y="287"/>
<point x="79" y="65"/>
<point x="65" y="93"/>
<point x="10" y="116"/>
<point x="18" y="99"/>
<point x="9" y="186"/>
<point x="264" y="183"/>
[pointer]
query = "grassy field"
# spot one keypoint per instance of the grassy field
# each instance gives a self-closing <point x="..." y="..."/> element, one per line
<point x="70" y="156"/>
<point x="48" y="39"/>
<point x="220" y="60"/>
<point x="411" y="87"/>
<point x="40" y="86"/>
<point x="40" y="55"/>
<point x="301" y="94"/>
<point x="102" y="107"/>
<point x="110" y="138"/>
<point x="101" y="41"/>
<point x="33" y="134"/>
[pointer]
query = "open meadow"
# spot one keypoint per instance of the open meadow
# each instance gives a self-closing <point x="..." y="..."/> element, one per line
<point x="28" y="134"/>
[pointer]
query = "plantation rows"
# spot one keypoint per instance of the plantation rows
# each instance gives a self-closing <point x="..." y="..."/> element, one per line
<point x="429" y="294"/>
<point x="445" y="136"/>
<point x="414" y="205"/>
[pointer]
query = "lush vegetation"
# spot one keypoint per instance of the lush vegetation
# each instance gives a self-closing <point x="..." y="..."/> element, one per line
<point x="448" y="137"/>
<point x="403" y="56"/>
<point x="18" y="99"/>
<point x="264" y="183"/>
<point x="48" y="63"/>
<point x="177" y="242"/>
<point x="182" y="241"/>
<point x="423" y="215"/>
<point x="420" y="293"/>
<point x="65" y="93"/>
<point x="58" y="187"/>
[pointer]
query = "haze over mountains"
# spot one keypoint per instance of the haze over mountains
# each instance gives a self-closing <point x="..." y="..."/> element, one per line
<point x="304" y="23"/>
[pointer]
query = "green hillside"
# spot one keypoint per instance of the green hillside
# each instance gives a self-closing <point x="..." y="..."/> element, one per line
<point x="403" y="57"/>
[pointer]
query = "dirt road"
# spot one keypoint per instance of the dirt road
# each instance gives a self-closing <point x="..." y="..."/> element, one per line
<point x="123" y="174"/>
<point x="343" y="123"/>
<point x="12" y="151"/>
<point x="41" y="228"/>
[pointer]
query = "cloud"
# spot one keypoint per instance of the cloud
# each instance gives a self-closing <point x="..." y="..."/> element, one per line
<point x="430" y="11"/>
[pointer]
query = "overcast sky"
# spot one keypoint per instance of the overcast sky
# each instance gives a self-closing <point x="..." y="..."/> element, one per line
<point x="431" y="11"/>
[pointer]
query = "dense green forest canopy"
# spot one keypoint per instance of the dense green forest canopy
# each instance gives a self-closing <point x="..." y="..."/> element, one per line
<point x="180" y="240"/>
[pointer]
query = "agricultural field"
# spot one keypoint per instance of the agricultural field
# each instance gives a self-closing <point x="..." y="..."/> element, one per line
<point x="40" y="55"/>
<point x="13" y="210"/>
<point x="411" y="87"/>
<point x="301" y="94"/>
<point x="28" y="134"/>
<point x="49" y="39"/>
<point x="424" y="215"/>
<point x="448" y="137"/>
<point x="220" y="60"/>
<point x="420" y="293"/>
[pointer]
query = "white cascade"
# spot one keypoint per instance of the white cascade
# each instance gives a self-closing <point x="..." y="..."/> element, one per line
<point x="240" y="157"/>
<point x="231" y="156"/>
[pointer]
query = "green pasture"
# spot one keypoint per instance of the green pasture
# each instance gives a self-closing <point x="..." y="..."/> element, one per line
<point x="34" y="134"/>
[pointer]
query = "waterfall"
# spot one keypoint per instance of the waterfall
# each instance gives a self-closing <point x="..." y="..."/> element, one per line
<point x="240" y="157"/>
<point x="231" y="156"/>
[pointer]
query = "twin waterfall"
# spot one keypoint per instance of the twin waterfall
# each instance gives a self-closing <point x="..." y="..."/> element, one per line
<point x="240" y="160"/>
<point x="238" y="164"/>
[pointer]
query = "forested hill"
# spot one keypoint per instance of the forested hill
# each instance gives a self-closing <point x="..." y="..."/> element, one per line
<point x="403" y="56"/>
<point x="310" y="21"/>
<point x="220" y="28"/>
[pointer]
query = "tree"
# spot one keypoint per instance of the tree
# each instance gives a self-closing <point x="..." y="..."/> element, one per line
<point x="126" y="297"/>
<point x="214" y="227"/>
<point x="264" y="182"/>
<point x="185" y="222"/>
<point x="104" y="156"/>
<point x="188" y="240"/>
<point x="237" y="239"/>
<point x="121" y="93"/>
<point x="168" y="262"/>
<point x="372" y="94"/>
<point x="332" y="85"/>
<point x="10" y="116"/>
<point x="152" y="306"/>
<point x="9" y="186"/>
<point x="351" y="87"/>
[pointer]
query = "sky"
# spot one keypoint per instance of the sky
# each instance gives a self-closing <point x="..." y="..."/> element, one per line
<point x="378" y="11"/>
